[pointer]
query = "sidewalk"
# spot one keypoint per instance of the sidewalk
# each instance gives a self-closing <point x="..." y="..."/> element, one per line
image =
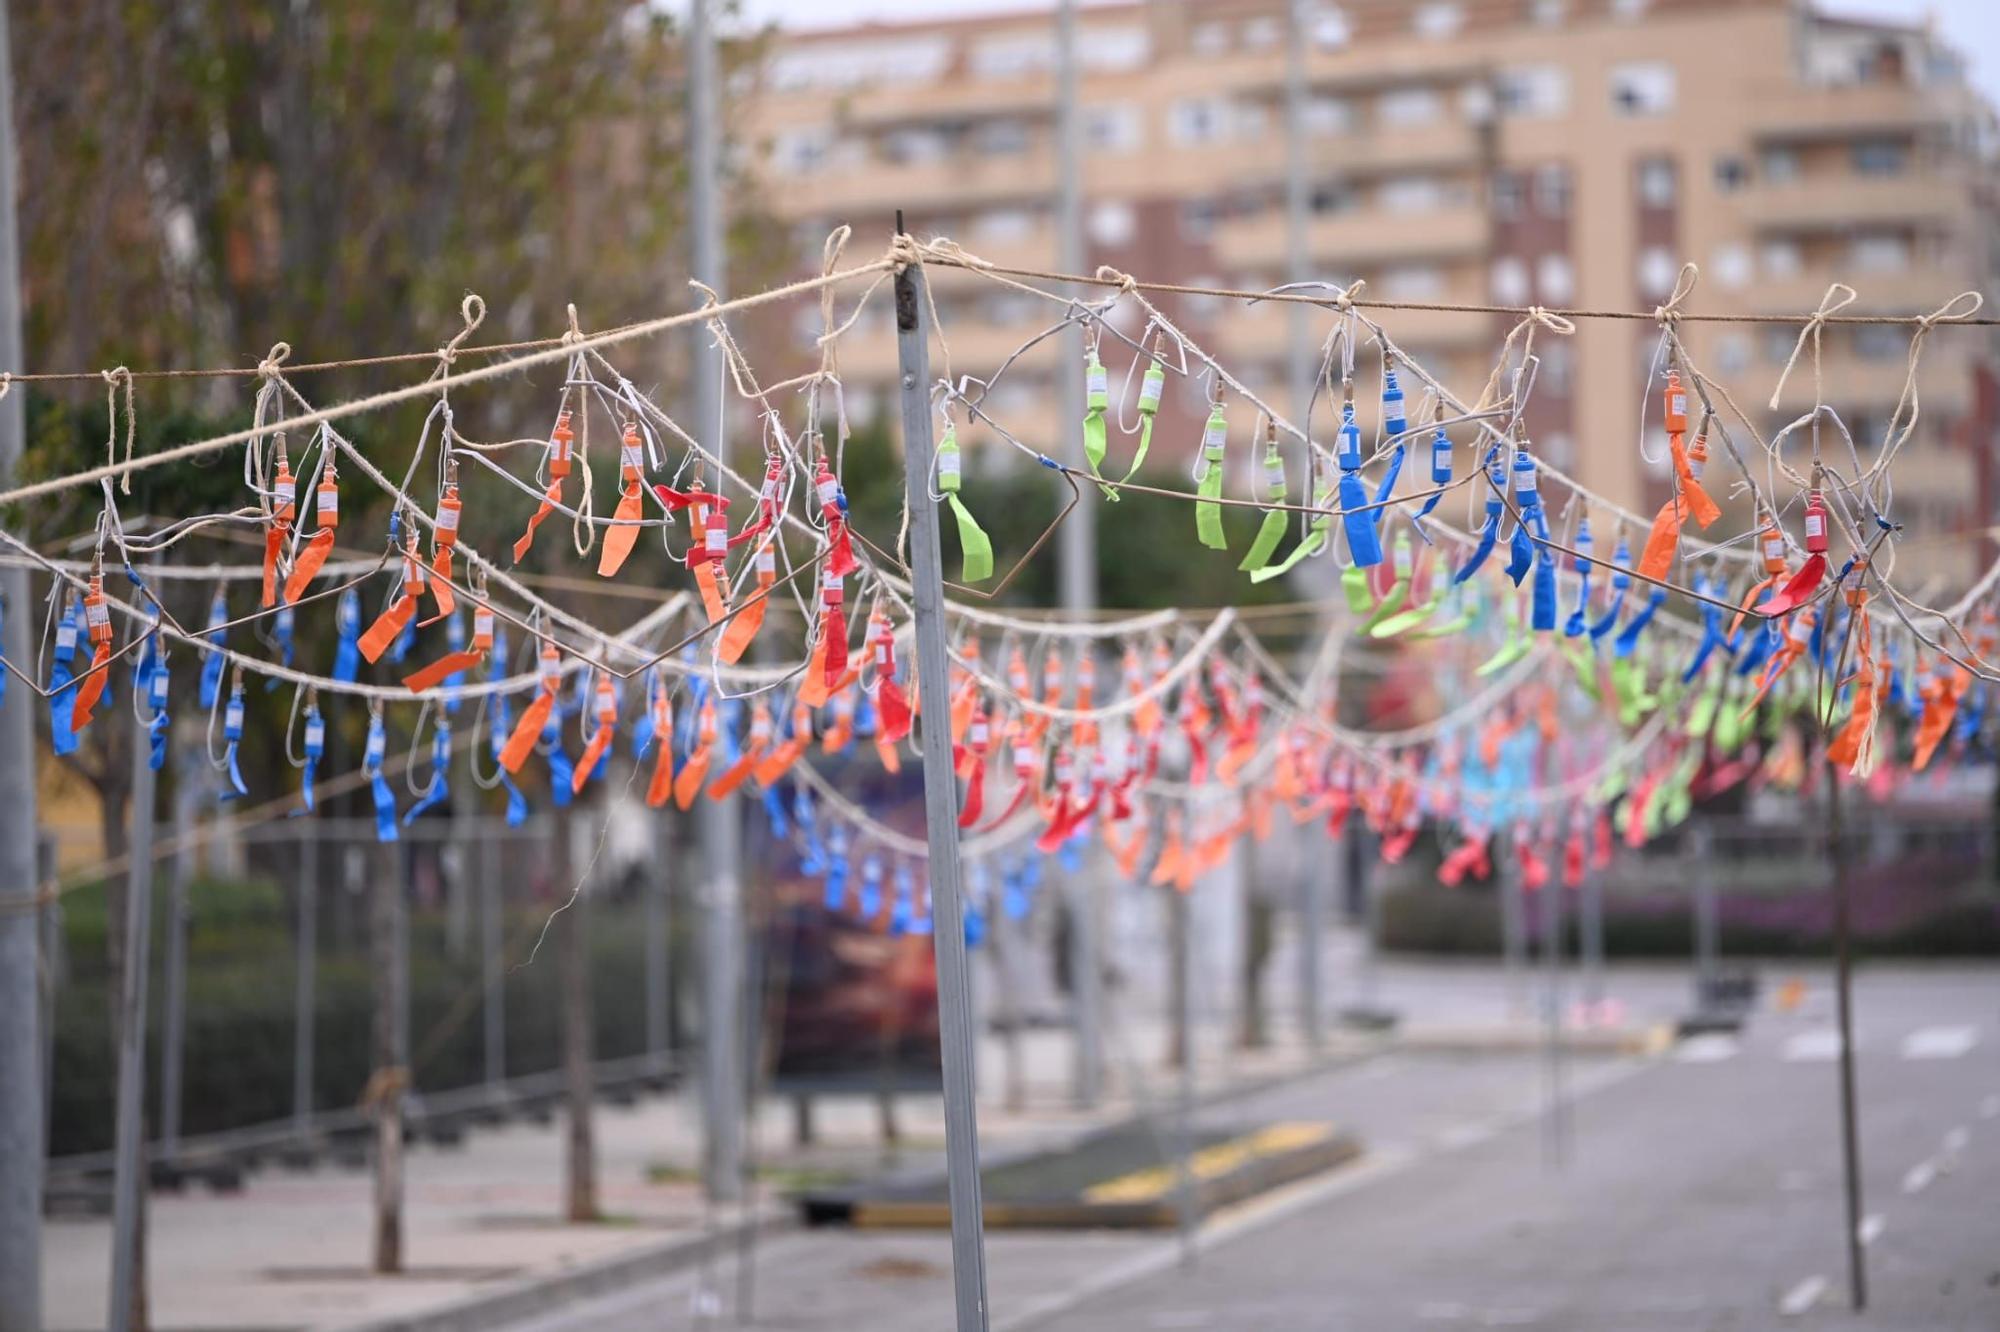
<point x="482" y="1221"/>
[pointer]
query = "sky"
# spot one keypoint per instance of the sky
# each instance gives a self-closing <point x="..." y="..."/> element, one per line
<point x="1972" y="25"/>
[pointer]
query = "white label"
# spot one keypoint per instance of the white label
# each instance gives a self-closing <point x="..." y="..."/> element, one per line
<point x="232" y="716"/>
<point x="1677" y="404"/>
<point x="1815" y="524"/>
<point x="560" y="445"/>
<point x="96" y="614"/>
<point x="1774" y="548"/>
<point x="980" y="732"/>
<point x="833" y="584"/>
<point x="717" y="538"/>
<point x="829" y="489"/>
<point x="767" y="561"/>
<point x="413" y="573"/>
<point x="447" y="519"/>
<point x="286" y="618"/>
<point x="1402" y="561"/>
<point x="1097" y="383"/>
<point x="1696" y="465"/>
<point x="1524" y="483"/>
<point x="482" y="623"/>
<point x="329" y="503"/>
<point x="377" y="745"/>
<point x="157" y="691"/>
<point x="632" y="456"/>
<point x="949" y="467"/>
<point x="1149" y="392"/>
<point x="66" y="636"/>
<point x="287" y="491"/>
<point x="760" y="728"/>
<point x="882" y="658"/>
<point x="1441" y="454"/>
<point x="606" y="699"/>
<point x="315" y="734"/>
<point x="1024" y="758"/>
<point x="1274" y="474"/>
<point x="1215" y="435"/>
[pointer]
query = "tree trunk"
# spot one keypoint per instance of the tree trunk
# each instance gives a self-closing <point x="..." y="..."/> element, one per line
<point x="575" y="926"/>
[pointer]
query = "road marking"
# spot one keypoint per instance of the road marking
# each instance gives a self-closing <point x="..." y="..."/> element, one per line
<point x="1812" y="1047"/>
<point x="1802" y="1296"/>
<point x="1872" y="1226"/>
<point x="1939" y="1042"/>
<point x="1919" y="1177"/>
<point x="1955" y="1140"/>
<point x="1709" y="1049"/>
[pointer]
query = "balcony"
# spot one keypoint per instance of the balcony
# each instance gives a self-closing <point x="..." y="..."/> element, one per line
<point x="1845" y="202"/>
<point x="1793" y="114"/>
<point x="1944" y="381"/>
<point x="876" y="189"/>
<point x="1918" y="289"/>
<point x="1263" y="332"/>
<point x="1363" y="238"/>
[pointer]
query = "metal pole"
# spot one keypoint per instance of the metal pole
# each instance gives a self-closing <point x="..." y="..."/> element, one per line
<point x="1555" y="1143"/>
<point x="961" y="1127"/>
<point x="21" y="1077"/>
<point x="657" y="921"/>
<point x="387" y="943"/>
<point x="1850" y="1143"/>
<point x="720" y="820"/>
<point x="1076" y="546"/>
<point x="1705" y="931"/>
<point x="305" y="995"/>
<point x="173" y="1031"/>
<point x="1513" y="929"/>
<point x="1590" y="941"/>
<point x="492" y="915"/>
<point x="1185" y="1218"/>
<point x="128" y="1178"/>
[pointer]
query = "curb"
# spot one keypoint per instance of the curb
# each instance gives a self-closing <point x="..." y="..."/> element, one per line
<point x="526" y="1296"/>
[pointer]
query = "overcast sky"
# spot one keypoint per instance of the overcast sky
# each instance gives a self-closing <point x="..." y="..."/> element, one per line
<point x="1973" y="25"/>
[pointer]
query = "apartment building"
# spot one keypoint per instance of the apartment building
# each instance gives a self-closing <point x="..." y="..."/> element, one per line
<point x="1551" y="152"/>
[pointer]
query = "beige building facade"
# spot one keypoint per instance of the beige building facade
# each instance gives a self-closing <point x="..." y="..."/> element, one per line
<point x="1565" y="153"/>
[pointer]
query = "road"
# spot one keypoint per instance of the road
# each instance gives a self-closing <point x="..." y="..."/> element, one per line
<point x="1701" y="1190"/>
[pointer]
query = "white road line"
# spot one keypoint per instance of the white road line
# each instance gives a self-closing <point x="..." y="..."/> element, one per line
<point x="1812" y="1047"/>
<point x="1939" y="1042"/>
<point x="1710" y="1049"/>
<point x="1460" y="1136"/>
<point x="1802" y="1296"/>
<point x="1872" y="1226"/>
<point x="1919" y="1177"/>
<point x="1955" y="1140"/>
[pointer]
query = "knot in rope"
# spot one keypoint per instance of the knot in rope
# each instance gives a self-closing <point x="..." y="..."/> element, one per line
<point x="1669" y="313"/>
<point x="1127" y="284"/>
<point x="473" y="310"/>
<point x="574" y="333"/>
<point x="1549" y="319"/>
<point x="904" y="251"/>
<point x="1838" y="297"/>
<point x="280" y="353"/>
<point x="112" y="379"/>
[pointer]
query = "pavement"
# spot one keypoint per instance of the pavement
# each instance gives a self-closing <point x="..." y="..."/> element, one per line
<point x="1707" y="1176"/>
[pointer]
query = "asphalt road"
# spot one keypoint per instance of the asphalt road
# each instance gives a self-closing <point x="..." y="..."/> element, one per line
<point x="1698" y="1191"/>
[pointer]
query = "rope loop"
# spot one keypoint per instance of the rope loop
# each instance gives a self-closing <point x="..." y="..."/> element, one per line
<point x="1669" y="314"/>
<point x="1838" y="297"/>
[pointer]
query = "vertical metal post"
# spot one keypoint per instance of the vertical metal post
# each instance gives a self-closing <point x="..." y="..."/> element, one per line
<point x="492" y="917"/>
<point x="1850" y="1140"/>
<point x="1076" y="546"/>
<point x="955" y="1033"/>
<point x="386" y="942"/>
<point x="305" y="994"/>
<point x="1185" y="1207"/>
<point x="1513" y="927"/>
<point x="1590" y="942"/>
<point x="1706" y="940"/>
<point x="1557" y="1132"/>
<point x="21" y="1077"/>
<point x="173" y="1028"/>
<point x="720" y="821"/>
<point x="129" y="1167"/>
<point x="657" y="920"/>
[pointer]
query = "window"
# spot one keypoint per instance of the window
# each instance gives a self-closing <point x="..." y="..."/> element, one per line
<point x="1330" y="29"/>
<point x="1555" y="277"/>
<point x="1013" y="55"/>
<point x="1114" y="128"/>
<point x="1559" y="447"/>
<point x="1879" y="252"/>
<point x="1251" y="120"/>
<point x="1532" y="90"/>
<point x="1877" y="342"/>
<point x="1003" y="224"/>
<point x="1410" y="194"/>
<point x="1642" y="88"/>
<point x="1658" y="182"/>
<point x="1197" y="120"/>
<point x="1552" y="189"/>
<point x="1113" y="224"/>
<point x="1779" y="339"/>
<point x="915" y="145"/>
<point x="1198" y="221"/>
<point x="1879" y="157"/>
<point x="1331" y="196"/>
<point x="1548" y="13"/>
<point x="1328" y="115"/>
<point x="801" y="151"/>
<point x="1781" y="259"/>
<point x="1510" y="195"/>
<point x="999" y="138"/>
<point x="1262" y="33"/>
<point x="1732" y="353"/>
<point x="1731" y="174"/>
<point x="1628" y="9"/>
<point x="1438" y="19"/>
<point x="1558" y="364"/>
<point x="1113" y="50"/>
<point x="1731" y="264"/>
<point x="1405" y="107"/>
<point x="1206" y="306"/>
<point x="1510" y="280"/>
<point x="1210" y="38"/>
<point x="1657" y="271"/>
<point x="1779" y="165"/>
<point x="1412" y="282"/>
